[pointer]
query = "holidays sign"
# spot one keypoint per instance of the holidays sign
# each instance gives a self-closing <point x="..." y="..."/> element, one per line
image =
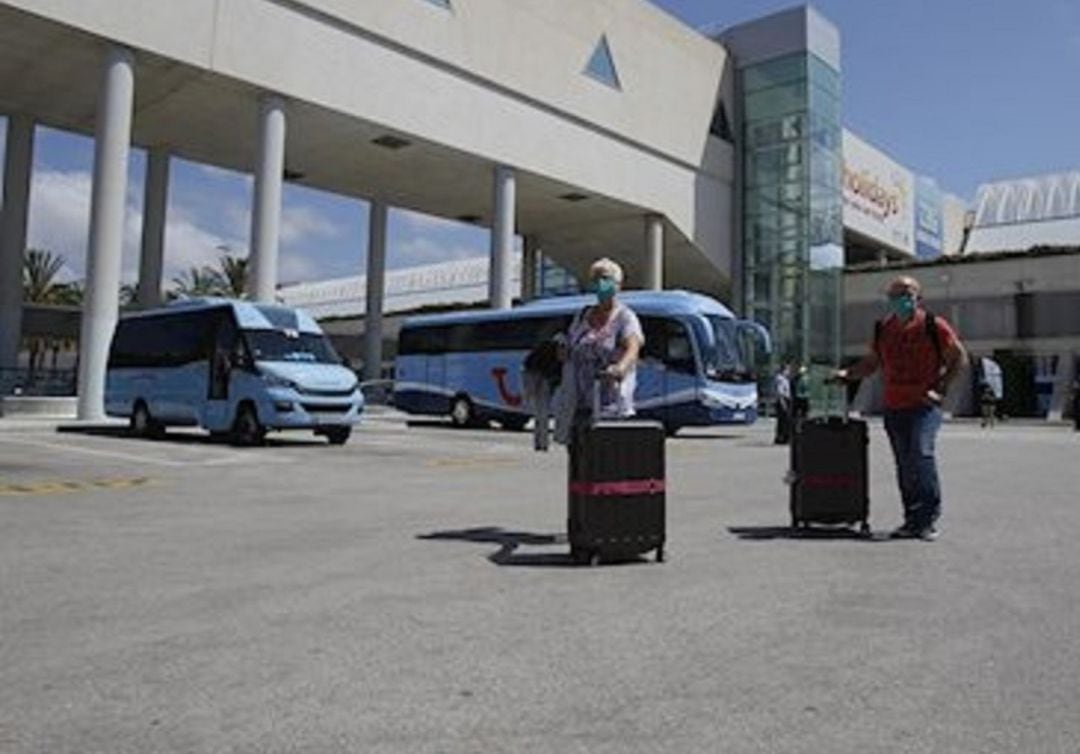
<point x="879" y="195"/>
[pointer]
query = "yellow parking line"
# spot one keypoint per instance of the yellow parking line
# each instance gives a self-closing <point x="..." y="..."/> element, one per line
<point x="61" y="486"/>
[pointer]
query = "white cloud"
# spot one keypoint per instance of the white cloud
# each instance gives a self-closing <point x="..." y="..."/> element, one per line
<point x="216" y="173"/>
<point x="60" y="216"/>
<point x="424" y="250"/>
<point x="303" y="224"/>
<point x="187" y="245"/>
<point x="428" y="223"/>
<point x="297" y="268"/>
<point x="60" y="222"/>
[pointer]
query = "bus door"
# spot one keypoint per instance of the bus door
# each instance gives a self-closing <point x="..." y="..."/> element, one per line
<point x="681" y="373"/>
<point x="225" y="357"/>
<point x="668" y="373"/>
<point x="651" y="395"/>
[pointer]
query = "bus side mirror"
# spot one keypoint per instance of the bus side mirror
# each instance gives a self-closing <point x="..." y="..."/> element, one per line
<point x="240" y="361"/>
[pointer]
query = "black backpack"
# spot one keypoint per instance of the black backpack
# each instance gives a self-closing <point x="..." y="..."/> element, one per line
<point x="544" y="359"/>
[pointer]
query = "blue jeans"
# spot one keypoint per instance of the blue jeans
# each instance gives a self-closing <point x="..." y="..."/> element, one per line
<point x="913" y="433"/>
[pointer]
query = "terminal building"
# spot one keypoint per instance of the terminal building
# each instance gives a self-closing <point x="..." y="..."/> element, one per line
<point x="713" y="160"/>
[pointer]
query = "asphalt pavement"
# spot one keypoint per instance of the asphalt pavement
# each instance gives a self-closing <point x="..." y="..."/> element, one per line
<point x="411" y="592"/>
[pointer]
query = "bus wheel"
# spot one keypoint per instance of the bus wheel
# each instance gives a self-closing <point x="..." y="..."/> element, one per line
<point x="461" y="412"/>
<point x="338" y="435"/>
<point x="142" y="423"/>
<point x="246" y="429"/>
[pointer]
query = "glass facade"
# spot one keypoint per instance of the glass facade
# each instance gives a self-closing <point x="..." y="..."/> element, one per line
<point x="792" y="209"/>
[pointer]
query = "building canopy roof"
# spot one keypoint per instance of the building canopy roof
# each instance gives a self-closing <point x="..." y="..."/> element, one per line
<point x="1025" y="200"/>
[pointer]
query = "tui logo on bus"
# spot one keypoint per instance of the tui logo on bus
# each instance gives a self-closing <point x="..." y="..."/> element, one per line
<point x="509" y="398"/>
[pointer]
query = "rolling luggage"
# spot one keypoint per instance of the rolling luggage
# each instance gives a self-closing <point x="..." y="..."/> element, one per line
<point x="829" y="473"/>
<point x="616" y="491"/>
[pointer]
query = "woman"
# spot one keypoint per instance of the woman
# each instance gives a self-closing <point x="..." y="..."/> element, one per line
<point x="603" y="343"/>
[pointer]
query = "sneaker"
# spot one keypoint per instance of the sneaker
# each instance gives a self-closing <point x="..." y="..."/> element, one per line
<point x="929" y="534"/>
<point x="903" y="532"/>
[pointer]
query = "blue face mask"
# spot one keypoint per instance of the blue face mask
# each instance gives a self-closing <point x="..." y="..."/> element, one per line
<point x="902" y="306"/>
<point x="605" y="290"/>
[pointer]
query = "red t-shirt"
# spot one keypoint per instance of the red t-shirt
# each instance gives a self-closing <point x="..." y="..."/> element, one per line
<point x="909" y="361"/>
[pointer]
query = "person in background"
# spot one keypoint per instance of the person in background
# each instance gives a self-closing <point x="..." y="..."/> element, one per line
<point x="542" y="371"/>
<point x="919" y="355"/>
<point x="782" y="391"/>
<point x="604" y="340"/>
<point x="987" y="404"/>
<point x="800" y="392"/>
<point x="1076" y="402"/>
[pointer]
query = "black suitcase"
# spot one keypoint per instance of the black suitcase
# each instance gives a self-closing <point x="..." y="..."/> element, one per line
<point x="616" y="490"/>
<point x="830" y="479"/>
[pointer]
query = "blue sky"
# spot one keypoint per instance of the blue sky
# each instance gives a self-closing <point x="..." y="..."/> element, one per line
<point x="963" y="90"/>
<point x="967" y="91"/>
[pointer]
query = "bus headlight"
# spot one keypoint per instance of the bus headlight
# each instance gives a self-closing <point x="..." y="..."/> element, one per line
<point x="715" y="400"/>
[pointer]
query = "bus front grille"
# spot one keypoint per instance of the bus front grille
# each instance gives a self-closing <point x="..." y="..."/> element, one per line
<point x="326" y="408"/>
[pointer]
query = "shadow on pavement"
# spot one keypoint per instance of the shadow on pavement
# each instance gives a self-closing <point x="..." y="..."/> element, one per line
<point x="830" y="533"/>
<point x="510" y="541"/>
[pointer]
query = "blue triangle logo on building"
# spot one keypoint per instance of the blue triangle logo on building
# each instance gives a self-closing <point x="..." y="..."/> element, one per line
<point x="601" y="65"/>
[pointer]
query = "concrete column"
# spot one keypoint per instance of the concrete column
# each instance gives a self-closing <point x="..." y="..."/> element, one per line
<point x="376" y="287"/>
<point x="1063" y="379"/>
<point x="654" y="253"/>
<point x="530" y="267"/>
<point x="111" y="148"/>
<point x="18" y="163"/>
<point x="155" y="203"/>
<point x="266" y="206"/>
<point x="502" y="238"/>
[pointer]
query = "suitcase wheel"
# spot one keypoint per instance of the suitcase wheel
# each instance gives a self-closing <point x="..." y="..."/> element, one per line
<point x="864" y="529"/>
<point x="660" y="554"/>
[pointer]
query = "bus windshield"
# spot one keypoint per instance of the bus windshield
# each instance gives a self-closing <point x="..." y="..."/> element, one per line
<point x="289" y="345"/>
<point x="725" y="358"/>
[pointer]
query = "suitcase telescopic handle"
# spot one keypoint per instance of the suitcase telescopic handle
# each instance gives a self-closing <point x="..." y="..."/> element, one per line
<point x="599" y="378"/>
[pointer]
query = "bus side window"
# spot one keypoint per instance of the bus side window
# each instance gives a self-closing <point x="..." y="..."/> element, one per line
<point x="678" y="352"/>
<point x="655" y="339"/>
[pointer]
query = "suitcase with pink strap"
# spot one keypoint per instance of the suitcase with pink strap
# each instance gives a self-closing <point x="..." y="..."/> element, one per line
<point x="617" y="490"/>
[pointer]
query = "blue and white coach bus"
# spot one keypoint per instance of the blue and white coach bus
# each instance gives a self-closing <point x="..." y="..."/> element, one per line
<point x="695" y="370"/>
<point x="233" y="367"/>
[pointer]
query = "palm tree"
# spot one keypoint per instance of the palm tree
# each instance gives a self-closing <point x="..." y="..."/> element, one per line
<point x="128" y="294"/>
<point x="40" y="269"/>
<point x="68" y="294"/>
<point x="233" y="273"/>
<point x="197" y="281"/>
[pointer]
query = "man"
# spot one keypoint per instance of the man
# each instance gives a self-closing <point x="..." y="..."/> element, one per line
<point x="800" y="392"/>
<point x="1076" y="401"/>
<point x="782" y="390"/>
<point x="919" y="355"/>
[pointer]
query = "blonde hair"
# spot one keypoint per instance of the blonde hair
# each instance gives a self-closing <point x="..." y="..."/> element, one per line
<point x="606" y="268"/>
